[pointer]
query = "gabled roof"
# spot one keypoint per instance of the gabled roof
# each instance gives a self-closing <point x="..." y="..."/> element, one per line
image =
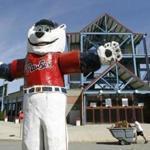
<point x="126" y="76"/>
<point x="106" y="24"/>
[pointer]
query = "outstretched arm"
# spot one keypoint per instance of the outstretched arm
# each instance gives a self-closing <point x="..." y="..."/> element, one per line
<point x="76" y="62"/>
<point x="13" y="70"/>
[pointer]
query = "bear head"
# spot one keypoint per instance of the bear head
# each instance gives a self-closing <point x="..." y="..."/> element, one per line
<point x="46" y="36"/>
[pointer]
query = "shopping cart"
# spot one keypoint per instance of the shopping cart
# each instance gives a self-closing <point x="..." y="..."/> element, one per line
<point x="124" y="135"/>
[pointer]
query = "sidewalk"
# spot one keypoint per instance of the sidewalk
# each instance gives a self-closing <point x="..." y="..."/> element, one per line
<point x="98" y="133"/>
<point x="87" y="133"/>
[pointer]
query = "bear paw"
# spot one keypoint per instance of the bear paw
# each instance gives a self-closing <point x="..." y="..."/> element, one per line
<point x="109" y="53"/>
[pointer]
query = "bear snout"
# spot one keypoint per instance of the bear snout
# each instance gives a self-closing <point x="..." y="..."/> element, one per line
<point x="39" y="34"/>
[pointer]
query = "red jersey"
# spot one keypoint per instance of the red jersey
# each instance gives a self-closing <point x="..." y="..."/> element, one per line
<point x="47" y="69"/>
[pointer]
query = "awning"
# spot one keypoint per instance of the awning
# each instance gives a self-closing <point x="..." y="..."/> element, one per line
<point x="126" y="76"/>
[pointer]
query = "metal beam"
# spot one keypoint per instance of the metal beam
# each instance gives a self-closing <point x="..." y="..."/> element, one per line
<point x="88" y="75"/>
<point x="81" y="49"/>
<point x="106" y="28"/>
<point x="147" y="59"/>
<point x="107" y="83"/>
<point x="99" y="27"/>
<point x="124" y="41"/>
<point x="113" y="27"/>
<point x="102" y="33"/>
<point x="94" y="44"/>
<point x="133" y="53"/>
<point x="117" y="78"/>
<point x="126" y="83"/>
<point x="103" y="92"/>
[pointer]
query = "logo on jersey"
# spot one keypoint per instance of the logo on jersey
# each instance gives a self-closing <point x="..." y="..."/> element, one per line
<point x="40" y="66"/>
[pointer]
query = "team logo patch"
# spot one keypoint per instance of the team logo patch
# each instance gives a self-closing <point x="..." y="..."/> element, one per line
<point x="43" y="64"/>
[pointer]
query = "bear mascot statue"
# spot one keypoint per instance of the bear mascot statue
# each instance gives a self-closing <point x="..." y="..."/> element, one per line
<point x="43" y="68"/>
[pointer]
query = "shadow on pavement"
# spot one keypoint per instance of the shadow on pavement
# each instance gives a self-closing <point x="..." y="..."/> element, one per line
<point x="108" y="143"/>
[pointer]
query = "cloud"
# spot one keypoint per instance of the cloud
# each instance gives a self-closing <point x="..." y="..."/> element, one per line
<point x="9" y="53"/>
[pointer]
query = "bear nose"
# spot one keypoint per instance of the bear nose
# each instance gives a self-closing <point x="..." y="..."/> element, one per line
<point x="39" y="34"/>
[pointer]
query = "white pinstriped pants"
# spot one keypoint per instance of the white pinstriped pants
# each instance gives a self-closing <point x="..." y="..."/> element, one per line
<point x="45" y="121"/>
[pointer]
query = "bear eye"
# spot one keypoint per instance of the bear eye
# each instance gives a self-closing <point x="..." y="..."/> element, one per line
<point x="39" y="28"/>
<point x="47" y="29"/>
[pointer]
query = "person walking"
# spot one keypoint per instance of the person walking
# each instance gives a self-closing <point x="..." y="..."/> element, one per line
<point x="139" y="131"/>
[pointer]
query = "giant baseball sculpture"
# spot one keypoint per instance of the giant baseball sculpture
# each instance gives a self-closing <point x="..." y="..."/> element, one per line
<point x="43" y="69"/>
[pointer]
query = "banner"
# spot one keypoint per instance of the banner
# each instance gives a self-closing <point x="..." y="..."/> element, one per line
<point x="3" y="90"/>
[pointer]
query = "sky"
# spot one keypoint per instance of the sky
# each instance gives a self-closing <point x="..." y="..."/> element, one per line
<point x="17" y="16"/>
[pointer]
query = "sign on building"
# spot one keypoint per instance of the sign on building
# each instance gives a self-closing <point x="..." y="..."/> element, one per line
<point x="108" y="102"/>
<point x="124" y="102"/>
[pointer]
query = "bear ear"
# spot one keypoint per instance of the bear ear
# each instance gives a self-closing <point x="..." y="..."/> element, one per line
<point x="63" y="26"/>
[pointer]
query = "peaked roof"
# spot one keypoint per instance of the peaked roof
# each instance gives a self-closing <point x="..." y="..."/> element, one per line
<point x="106" y="24"/>
<point x="125" y="75"/>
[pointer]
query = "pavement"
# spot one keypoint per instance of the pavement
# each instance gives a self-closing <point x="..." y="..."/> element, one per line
<point x="86" y="133"/>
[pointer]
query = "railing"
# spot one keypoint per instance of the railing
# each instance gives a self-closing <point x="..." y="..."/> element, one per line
<point x="112" y="114"/>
